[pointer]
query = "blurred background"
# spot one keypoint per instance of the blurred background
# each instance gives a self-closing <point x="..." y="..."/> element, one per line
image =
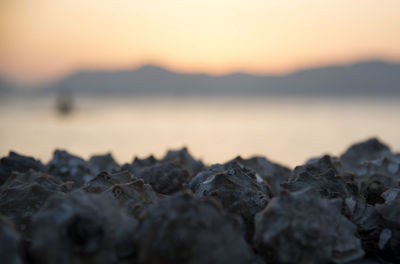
<point x="288" y="80"/>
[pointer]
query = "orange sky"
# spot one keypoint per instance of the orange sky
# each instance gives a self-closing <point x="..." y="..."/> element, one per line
<point x="41" y="40"/>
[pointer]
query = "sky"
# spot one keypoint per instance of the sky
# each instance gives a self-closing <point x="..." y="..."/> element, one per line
<point x="43" y="40"/>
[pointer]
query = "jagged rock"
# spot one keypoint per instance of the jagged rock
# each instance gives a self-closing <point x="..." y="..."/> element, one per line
<point x="81" y="228"/>
<point x="370" y="149"/>
<point x="10" y="252"/>
<point x="18" y="163"/>
<point x="104" y="180"/>
<point x="321" y="174"/>
<point x="389" y="238"/>
<point x="139" y="164"/>
<point x="302" y="227"/>
<point x="272" y="173"/>
<point x="182" y="229"/>
<point x="28" y="177"/>
<point x="182" y="158"/>
<point x="165" y="178"/>
<point x="31" y="176"/>
<point x="368" y="221"/>
<point x="317" y="166"/>
<point x="73" y="211"/>
<point x="21" y="200"/>
<point x="106" y="162"/>
<point x="236" y="187"/>
<point x="135" y="196"/>
<point x="372" y="178"/>
<point x="327" y="184"/>
<point x="69" y="168"/>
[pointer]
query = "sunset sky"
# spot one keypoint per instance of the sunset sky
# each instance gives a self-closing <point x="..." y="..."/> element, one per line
<point x="42" y="40"/>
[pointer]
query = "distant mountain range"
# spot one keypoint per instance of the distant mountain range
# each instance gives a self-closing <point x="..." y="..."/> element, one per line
<point x="6" y="87"/>
<point x="363" y="78"/>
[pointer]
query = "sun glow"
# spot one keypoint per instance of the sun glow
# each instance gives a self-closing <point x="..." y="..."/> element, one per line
<point x="45" y="39"/>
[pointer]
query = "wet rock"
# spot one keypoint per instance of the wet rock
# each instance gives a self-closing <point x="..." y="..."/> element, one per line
<point x="165" y="178"/>
<point x="21" y="200"/>
<point x="81" y="228"/>
<point x="370" y="149"/>
<point x="182" y="159"/>
<point x="104" y="180"/>
<point x="18" y="163"/>
<point x="236" y="187"/>
<point x="302" y="227"/>
<point x="69" y="168"/>
<point x="10" y="252"/>
<point x="182" y="229"/>
<point x="135" y="196"/>
<point x="106" y="162"/>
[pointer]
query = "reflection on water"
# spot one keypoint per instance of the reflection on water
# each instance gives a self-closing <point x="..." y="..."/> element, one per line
<point x="286" y="130"/>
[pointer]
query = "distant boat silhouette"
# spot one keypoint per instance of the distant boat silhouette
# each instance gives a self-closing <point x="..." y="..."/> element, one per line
<point x="64" y="103"/>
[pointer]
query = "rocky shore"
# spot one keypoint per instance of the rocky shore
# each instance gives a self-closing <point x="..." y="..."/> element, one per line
<point x="176" y="209"/>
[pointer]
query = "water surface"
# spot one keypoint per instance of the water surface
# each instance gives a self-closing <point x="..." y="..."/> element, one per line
<point x="287" y="130"/>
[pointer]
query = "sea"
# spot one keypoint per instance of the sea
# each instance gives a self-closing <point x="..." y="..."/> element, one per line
<point x="288" y="130"/>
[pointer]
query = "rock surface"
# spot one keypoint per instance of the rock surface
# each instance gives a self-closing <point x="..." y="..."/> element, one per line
<point x="183" y="229"/>
<point x="302" y="227"/>
<point x="178" y="210"/>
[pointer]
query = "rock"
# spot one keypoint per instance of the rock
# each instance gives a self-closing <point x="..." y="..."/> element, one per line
<point x="69" y="168"/>
<point x="182" y="159"/>
<point x="175" y="210"/>
<point x="81" y="228"/>
<point x="368" y="221"/>
<point x="267" y="170"/>
<point x="29" y="177"/>
<point x="327" y="184"/>
<point x="21" y="200"/>
<point x="302" y="227"/>
<point x="135" y="196"/>
<point x="18" y="163"/>
<point x="317" y="166"/>
<point x="370" y="149"/>
<point x="389" y="238"/>
<point x="182" y="229"/>
<point x="106" y="162"/>
<point x="321" y="174"/>
<point x="104" y="180"/>
<point x="165" y="178"/>
<point x="236" y="187"/>
<point x="372" y="178"/>
<point x="139" y="164"/>
<point x="10" y="251"/>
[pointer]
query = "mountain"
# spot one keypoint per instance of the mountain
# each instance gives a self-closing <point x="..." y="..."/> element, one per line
<point x="363" y="78"/>
<point x="6" y="87"/>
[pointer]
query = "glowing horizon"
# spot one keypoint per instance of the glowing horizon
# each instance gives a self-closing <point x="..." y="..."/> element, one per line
<point x="43" y="40"/>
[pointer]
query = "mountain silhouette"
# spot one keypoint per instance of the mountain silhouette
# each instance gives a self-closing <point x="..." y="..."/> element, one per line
<point x="6" y="87"/>
<point x="363" y="78"/>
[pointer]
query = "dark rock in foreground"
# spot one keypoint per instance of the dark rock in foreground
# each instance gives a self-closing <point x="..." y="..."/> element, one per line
<point x="301" y="227"/>
<point x="183" y="229"/>
<point x="178" y="210"/>
<point x="236" y="187"/>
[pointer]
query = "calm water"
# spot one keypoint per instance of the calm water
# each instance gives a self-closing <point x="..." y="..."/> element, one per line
<point x="287" y="130"/>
